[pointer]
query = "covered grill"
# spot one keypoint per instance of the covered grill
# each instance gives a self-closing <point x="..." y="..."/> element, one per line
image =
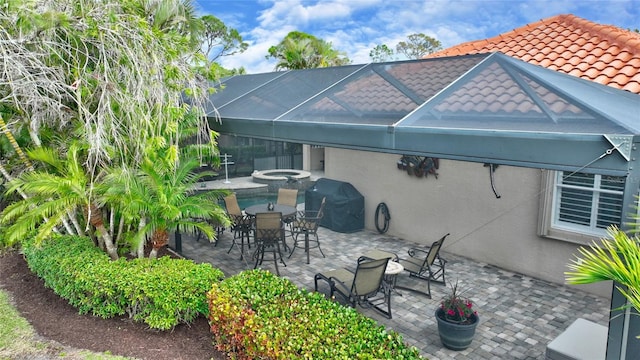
<point x="344" y="207"/>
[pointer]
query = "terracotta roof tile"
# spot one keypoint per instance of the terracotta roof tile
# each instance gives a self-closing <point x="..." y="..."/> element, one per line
<point x="628" y="70"/>
<point x="602" y="53"/>
<point x="591" y="73"/>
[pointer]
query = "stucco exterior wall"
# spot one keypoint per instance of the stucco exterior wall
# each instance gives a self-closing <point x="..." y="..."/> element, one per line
<point x="500" y="232"/>
<point x="313" y="158"/>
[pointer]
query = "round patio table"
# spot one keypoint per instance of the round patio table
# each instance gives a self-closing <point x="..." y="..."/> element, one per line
<point x="286" y="210"/>
<point x="391" y="274"/>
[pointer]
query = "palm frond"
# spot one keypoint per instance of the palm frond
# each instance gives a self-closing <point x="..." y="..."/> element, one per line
<point x="617" y="259"/>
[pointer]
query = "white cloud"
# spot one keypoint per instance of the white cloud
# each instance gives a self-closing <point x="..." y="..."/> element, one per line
<point x="357" y="26"/>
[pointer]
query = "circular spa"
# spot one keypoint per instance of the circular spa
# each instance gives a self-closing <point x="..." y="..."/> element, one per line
<point x="278" y="178"/>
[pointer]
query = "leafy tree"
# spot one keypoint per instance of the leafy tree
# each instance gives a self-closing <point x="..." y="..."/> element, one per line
<point x="100" y="67"/>
<point x="381" y="53"/>
<point x="177" y="16"/>
<point x="300" y="50"/>
<point x="418" y="45"/>
<point x="616" y="258"/>
<point x="159" y="195"/>
<point x="218" y="40"/>
<point x="110" y="78"/>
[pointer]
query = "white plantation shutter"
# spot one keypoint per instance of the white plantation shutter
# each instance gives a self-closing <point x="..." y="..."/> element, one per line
<point x="587" y="203"/>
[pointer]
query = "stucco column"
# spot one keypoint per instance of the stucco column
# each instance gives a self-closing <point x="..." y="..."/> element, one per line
<point x="306" y="157"/>
<point x="624" y="326"/>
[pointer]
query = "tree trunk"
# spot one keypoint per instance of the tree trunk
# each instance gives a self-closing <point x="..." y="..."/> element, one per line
<point x="112" y="219"/>
<point x="74" y="220"/>
<point x="14" y="144"/>
<point x="159" y="239"/>
<point x="95" y="219"/>
<point x="141" y="241"/>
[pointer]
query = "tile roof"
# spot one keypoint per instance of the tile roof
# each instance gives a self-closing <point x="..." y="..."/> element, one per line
<point x="386" y="92"/>
<point x="602" y="53"/>
<point x="497" y="96"/>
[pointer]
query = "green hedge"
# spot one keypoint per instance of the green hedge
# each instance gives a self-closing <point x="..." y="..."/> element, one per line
<point x="256" y="315"/>
<point x="162" y="292"/>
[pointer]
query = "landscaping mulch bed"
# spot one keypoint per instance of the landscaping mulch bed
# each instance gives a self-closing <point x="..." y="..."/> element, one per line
<point x="54" y="319"/>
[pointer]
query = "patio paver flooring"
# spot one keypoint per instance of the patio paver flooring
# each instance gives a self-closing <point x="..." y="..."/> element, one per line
<point x="519" y="315"/>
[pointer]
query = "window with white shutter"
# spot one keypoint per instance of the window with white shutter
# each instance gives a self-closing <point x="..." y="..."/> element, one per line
<point x="586" y="203"/>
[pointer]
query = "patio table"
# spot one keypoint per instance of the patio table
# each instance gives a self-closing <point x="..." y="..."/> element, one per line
<point x="390" y="276"/>
<point x="286" y="210"/>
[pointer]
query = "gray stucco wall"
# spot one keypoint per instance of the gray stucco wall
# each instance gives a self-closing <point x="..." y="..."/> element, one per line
<point x="500" y="232"/>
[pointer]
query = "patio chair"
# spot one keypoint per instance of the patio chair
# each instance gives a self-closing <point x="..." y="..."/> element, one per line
<point x="306" y="223"/>
<point x="361" y="286"/>
<point x="423" y="263"/>
<point x="218" y="228"/>
<point x="269" y="233"/>
<point x="288" y="197"/>
<point x="426" y="264"/>
<point x="241" y="224"/>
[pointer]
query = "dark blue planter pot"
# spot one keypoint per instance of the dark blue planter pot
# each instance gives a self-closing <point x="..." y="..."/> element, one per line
<point x="455" y="336"/>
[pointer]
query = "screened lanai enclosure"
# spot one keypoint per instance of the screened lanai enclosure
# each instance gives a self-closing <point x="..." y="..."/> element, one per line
<point x="486" y="108"/>
<point x="246" y="155"/>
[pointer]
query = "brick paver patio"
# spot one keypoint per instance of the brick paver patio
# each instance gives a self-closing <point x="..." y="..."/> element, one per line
<point x="519" y="315"/>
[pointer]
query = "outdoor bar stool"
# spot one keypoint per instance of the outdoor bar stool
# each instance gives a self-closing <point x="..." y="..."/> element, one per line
<point x="241" y="224"/>
<point x="306" y="224"/>
<point x="269" y="233"/>
<point x="218" y="228"/>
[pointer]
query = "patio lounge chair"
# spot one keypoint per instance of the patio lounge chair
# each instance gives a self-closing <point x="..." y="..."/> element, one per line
<point x="423" y="263"/>
<point x="269" y="233"/>
<point x="241" y="224"/>
<point x="361" y="286"/>
<point x="426" y="264"/>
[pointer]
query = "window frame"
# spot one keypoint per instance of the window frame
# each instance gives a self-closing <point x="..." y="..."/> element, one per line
<point x="549" y="226"/>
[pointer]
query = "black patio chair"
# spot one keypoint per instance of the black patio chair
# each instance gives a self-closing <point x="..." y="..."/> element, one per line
<point x="269" y="233"/>
<point x="241" y="224"/>
<point x="426" y="264"/>
<point x="306" y="224"/>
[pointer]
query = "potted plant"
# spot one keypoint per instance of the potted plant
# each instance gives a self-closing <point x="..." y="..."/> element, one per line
<point x="457" y="320"/>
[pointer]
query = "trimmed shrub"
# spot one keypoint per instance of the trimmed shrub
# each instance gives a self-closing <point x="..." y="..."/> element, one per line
<point x="256" y="314"/>
<point x="162" y="292"/>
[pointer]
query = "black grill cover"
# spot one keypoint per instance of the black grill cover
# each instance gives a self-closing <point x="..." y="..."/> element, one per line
<point x="344" y="207"/>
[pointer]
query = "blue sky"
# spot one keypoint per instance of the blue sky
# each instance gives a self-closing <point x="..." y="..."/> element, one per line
<point x="357" y="26"/>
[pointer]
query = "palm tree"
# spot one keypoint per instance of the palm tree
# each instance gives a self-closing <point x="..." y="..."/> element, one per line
<point x="174" y="15"/>
<point x="299" y="50"/>
<point x="63" y="189"/>
<point x="617" y="259"/>
<point x="115" y="68"/>
<point x="163" y="197"/>
<point x="295" y="55"/>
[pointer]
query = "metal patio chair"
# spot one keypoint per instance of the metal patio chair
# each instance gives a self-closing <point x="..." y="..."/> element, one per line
<point x="423" y="263"/>
<point x="306" y="224"/>
<point x="359" y="287"/>
<point x="269" y="233"/>
<point x="241" y="224"/>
